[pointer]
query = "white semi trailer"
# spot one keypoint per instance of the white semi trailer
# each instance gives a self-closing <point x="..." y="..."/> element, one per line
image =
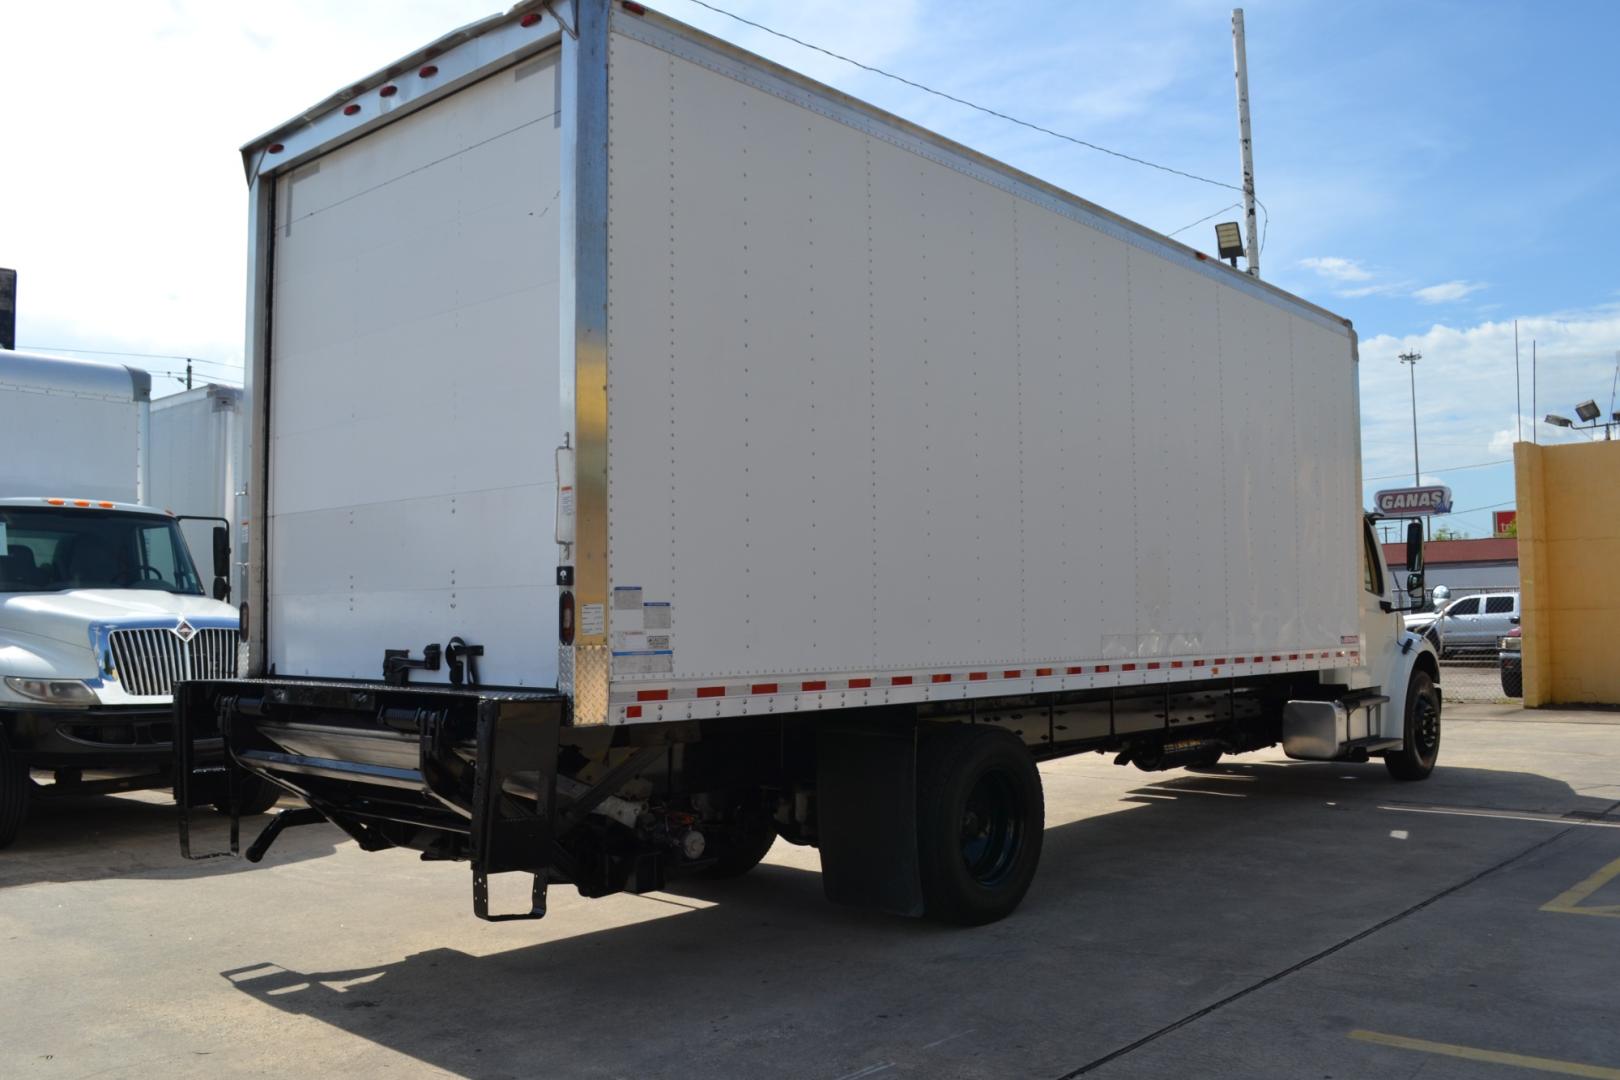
<point x="656" y="452"/>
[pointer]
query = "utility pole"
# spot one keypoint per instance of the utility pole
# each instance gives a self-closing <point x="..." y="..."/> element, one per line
<point x="188" y="374"/>
<point x="1240" y="57"/>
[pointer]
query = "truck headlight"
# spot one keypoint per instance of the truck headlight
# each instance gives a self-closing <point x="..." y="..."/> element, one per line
<point x="66" y="693"/>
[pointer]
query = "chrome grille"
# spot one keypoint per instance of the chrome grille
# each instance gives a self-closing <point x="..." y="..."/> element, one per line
<point x="151" y="661"/>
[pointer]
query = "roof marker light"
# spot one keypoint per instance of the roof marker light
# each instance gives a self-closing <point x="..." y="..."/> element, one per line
<point x="57" y="502"/>
<point x="105" y="505"/>
<point x="529" y="20"/>
<point x="350" y="110"/>
<point x="388" y="91"/>
<point x="428" y="71"/>
<point x="81" y="502"/>
<point x="275" y="148"/>
<point x="632" y="7"/>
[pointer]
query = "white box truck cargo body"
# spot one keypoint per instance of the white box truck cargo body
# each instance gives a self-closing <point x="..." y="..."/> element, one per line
<point x="196" y="465"/>
<point x="75" y="428"/>
<point x="661" y="390"/>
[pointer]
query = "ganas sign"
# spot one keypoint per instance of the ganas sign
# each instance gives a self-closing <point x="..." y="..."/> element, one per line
<point x="1413" y="501"/>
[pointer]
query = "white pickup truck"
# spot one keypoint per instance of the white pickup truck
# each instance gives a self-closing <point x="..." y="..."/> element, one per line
<point x="102" y="608"/>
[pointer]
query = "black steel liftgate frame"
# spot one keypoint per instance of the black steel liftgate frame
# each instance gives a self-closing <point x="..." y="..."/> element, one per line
<point x="455" y="772"/>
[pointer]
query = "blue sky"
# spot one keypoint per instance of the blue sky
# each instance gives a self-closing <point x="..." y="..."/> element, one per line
<point x="1432" y="171"/>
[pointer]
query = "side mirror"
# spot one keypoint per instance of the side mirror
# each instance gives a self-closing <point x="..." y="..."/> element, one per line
<point x="1414" y="557"/>
<point x="222" y="563"/>
<point x="1414" y="590"/>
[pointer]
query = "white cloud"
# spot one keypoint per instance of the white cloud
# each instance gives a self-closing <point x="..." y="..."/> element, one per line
<point x="1466" y="397"/>
<point x="1335" y="268"/>
<point x="1447" y="291"/>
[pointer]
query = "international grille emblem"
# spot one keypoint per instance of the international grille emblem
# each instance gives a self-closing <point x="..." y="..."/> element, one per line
<point x="184" y="630"/>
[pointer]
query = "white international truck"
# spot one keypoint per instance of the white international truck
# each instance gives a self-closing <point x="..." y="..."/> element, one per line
<point x="102" y="608"/>
<point x="196" y="466"/>
<point x="656" y="453"/>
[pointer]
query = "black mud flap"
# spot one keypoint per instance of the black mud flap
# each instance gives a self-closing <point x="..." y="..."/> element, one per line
<point x="456" y="773"/>
<point x="866" y="816"/>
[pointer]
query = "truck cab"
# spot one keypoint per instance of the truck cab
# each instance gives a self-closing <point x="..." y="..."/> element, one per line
<point x="102" y="611"/>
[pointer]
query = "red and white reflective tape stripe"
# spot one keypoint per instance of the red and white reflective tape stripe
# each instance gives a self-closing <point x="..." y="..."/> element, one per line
<point x="632" y="699"/>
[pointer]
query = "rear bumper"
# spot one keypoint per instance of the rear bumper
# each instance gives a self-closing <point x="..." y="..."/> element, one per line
<point x="135" y="738"/>
<point x="454" y="772"/>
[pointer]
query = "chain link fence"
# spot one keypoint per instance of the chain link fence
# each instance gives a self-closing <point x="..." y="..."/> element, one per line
<point x="1473" y="679"/>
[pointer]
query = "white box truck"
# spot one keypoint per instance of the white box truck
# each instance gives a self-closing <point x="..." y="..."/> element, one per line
<point x="102" y="607"/>
<point x="196" y="466"/>
<point x="656" y="452"/>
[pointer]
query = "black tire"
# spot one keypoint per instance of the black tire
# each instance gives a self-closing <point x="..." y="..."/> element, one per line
<point x="257" y="796"/>
<point x="741" y="847"/>
<point x="980" y="820"/>
<point x="1513" y="682"/>
<point x="1417" y="755"/>
<point x="15" y="789"/>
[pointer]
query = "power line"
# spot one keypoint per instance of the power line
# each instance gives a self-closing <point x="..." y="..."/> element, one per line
<point x="1448" y="468"/>
<point x="141" y="355"/>
<point x="986" y="109"/>
<point x="1205" y="218"/>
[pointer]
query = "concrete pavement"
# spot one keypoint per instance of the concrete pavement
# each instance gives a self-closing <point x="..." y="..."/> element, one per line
<point x="1263" y="919"/>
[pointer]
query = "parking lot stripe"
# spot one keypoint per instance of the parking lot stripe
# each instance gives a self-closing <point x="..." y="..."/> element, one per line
<point x="1526" y="815"/>
<point x="1494" y="1057"/>
<point x="1194" y="1017"/>
<point x="1568" y="902"/>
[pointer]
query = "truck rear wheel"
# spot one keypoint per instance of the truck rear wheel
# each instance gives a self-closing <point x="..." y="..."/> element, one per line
<point x="1416" y="757"/>
<point x="980" y="818"/>
<point x="15" y="787"/>
<point x="740" y="848"/>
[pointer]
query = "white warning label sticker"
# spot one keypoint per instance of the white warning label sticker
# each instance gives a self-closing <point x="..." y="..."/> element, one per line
<point x="656" y="615"/>
<point x="643" y="662"/>
<point x="592" y="619"/>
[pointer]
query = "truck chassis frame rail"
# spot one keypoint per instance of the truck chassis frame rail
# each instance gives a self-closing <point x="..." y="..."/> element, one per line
<point x="457" y="773"/>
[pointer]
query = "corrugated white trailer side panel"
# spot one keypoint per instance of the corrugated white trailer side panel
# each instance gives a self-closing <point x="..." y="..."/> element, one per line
<point x="414" y="387"/>
<point x="72" y="428"/>
<point x="887" y="421"/>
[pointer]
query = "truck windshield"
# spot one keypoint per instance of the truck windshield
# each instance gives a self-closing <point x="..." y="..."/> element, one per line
<point x="50" y="550"/>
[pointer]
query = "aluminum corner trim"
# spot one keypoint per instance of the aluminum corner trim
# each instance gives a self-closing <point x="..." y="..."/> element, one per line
<point x="256" y="405"/>
<point x="585" y="140"/>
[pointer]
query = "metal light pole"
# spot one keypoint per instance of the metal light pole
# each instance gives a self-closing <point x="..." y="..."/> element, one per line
<point x="1240" y="58"/>
<point x="1411" y="358"/>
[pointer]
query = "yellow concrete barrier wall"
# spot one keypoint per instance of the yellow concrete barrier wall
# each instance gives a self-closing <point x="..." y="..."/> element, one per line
<point x="1569" y="572"/>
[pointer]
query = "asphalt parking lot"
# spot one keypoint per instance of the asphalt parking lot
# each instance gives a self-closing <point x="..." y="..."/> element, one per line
<point x="1262" y="919"/>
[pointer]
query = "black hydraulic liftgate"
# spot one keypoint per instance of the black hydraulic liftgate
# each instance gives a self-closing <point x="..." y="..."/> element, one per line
<point x="456" y="773"/>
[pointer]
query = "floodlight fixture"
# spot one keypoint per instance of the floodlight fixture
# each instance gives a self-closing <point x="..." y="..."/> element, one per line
<point x="1559" y="421"/>
<point x="1588" y="411"/>
<point x="1229" y="241"/>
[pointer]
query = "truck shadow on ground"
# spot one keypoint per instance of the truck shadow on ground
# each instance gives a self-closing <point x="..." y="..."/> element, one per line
<point x="88" y="837"/>
<point x="1188" y="888"/>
